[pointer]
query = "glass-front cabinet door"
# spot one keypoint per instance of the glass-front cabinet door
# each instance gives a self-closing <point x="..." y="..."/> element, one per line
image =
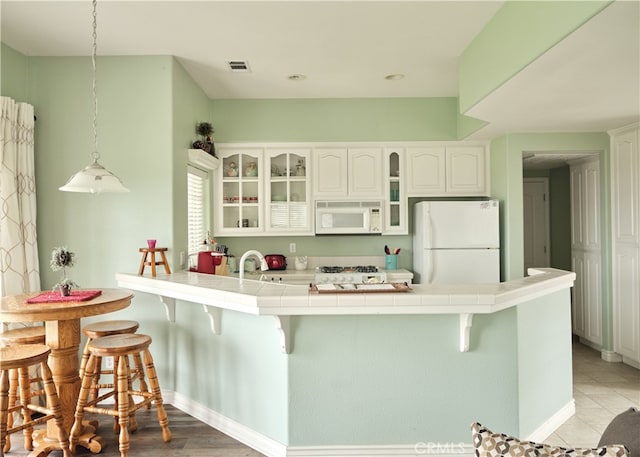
<point x="240" y="192"/>
<point x="396" y="207"/>
<point x="288" y="208"/>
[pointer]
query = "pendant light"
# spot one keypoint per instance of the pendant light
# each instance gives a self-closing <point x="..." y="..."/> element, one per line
<point x="94" y="178"/>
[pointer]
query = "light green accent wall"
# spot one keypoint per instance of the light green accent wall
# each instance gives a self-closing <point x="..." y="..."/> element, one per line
<point x="241" y="373"/>
<point x="360" y="119"/>
<point x="544" y="359"/>
<point x="389" y="379"/>
<point x="135" y="142"/>
<point x="500" y="181"/>
<point x="189" y="105"/>
<point x="506" y="157"/>
<point x="468" y="125"/>
<point x="518" y="34"/>
<point x="14" y="74"/>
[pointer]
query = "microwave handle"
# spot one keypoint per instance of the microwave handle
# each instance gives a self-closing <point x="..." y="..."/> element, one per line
<point x="367" y="219"/>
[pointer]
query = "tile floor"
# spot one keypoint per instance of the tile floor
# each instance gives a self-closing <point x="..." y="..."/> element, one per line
<point x="601" y="390"/>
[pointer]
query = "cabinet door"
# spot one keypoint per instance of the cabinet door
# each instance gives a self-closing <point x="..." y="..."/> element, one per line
<point x="576" y="179"/>
<point x="625" y="180"/>
<point x="365" y="172"/>
<point x="395" y="212"/>
<point x="288" y="207"/>
<point x="240" y="192"/>
<point x="626" y="302"/>
<point x="425" y="171"/>
<point x="591" y="204"/>
<point x="578" y="312"/>
<point x="466" y="170"/>
<point x="330" y="172"/>
<point x="593" y="297"/>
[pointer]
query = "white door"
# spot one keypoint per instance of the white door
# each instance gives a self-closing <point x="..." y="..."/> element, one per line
<point x="536" y="223"/>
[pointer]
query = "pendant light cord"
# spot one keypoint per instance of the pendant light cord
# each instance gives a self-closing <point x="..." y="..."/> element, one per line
<point x="95" y="155"/>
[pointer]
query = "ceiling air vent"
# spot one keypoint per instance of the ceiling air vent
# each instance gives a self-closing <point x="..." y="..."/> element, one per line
<point x="239" y="66"/>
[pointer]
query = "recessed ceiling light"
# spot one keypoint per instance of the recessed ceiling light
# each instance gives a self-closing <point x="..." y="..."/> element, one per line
<point x="296" y="77"/>
<point x="394" y="77"/>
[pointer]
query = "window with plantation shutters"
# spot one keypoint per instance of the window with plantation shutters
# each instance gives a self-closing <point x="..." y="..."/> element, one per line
<point x="198" y="217"/>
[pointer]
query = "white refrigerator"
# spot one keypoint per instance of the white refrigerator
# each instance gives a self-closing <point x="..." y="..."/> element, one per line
<point x="456" y="242"/>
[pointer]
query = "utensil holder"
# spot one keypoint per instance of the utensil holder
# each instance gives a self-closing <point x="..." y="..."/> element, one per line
<point x="391" y="262"/>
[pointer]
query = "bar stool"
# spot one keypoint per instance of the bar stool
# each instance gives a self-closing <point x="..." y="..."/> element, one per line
<point x="107" y="328"/>
<point x="120" y="347"/>
<point x="21" y="357"/>
<point x="22" y="335"/>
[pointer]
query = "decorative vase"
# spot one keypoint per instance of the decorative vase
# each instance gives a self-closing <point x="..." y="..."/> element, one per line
<point x="65" y="290"/>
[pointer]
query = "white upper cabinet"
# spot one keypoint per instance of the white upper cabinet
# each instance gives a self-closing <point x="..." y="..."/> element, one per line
<point x="329" y="172"/>
<point x="287" y="190"/>
<point x="426" y="171"/>
<point x="365" y="172"/>
<point x="239" y="194"/>
<point x="466" y="170"/>
<point x="447" y="170"/>
<point x="625" y="170"/>
<point x="347" y="172"/>
<point x="395" y="211"/>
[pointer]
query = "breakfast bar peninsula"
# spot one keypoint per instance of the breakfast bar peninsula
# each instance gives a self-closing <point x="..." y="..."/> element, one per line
<point x="289" y="371"/>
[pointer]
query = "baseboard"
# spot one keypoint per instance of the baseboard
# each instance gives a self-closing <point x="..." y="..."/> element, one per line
<point x="550" y="425"/>
<point x="633" y="363"/>
<point x="610" y="356"/>
<point x="411" y="450"/>
<point x="235" y="430"/>
<point x="272" y="448"/>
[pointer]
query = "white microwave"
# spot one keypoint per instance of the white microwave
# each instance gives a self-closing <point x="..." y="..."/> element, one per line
<point x="334" y="217"/>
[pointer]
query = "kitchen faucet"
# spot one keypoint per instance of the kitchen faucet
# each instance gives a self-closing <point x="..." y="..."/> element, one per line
<point x="263" y="262"/>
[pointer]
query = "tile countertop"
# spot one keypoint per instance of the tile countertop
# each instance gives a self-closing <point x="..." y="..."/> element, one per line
<point x="281" y="301"/>
<point x="268" y="298"/>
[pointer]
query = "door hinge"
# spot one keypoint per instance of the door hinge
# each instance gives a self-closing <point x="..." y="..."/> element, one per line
<point x="544" y="197"/>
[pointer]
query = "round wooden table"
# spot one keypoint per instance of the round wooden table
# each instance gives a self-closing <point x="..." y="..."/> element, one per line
<point x="62" y="323"/>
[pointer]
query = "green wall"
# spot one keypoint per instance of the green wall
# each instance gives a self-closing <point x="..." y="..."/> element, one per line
<point x="518" y="33"/>
<point x="544" y="359"/>
<point x="360" y="119"/>
<point x="14" y="75"/>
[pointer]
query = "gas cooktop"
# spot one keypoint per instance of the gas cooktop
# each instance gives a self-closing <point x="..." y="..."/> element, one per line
<point x="356" y="269"/>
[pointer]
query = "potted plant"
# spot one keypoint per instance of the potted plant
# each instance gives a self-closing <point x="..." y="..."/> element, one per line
<point x="205" y="130"/>
<point x="61" y="259"/>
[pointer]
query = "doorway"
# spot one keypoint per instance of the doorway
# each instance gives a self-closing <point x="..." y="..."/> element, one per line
<point x="537" y="243"/>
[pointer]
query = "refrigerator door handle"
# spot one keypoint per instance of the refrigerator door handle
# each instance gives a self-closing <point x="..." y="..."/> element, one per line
<point x="429" y="246"/>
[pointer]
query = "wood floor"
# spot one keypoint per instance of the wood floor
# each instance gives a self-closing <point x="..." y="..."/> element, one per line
<point x="191" y="438"/>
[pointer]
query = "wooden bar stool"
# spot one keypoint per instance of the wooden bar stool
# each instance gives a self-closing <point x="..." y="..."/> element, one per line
<point x="22" y="335"/>
<point x="148" y="252"/>
<point x="120" y="347"/>
<point x="21" y="357"/>
<point x="107" y="328"/>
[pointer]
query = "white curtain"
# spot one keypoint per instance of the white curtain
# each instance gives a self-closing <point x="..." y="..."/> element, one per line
<point x="19" y="270"/>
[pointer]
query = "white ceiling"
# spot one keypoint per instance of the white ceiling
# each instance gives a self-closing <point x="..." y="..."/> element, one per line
<point x="589" y="82"/>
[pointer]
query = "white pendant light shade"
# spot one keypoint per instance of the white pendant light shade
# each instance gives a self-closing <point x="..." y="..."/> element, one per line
<point x="94" y="178"/>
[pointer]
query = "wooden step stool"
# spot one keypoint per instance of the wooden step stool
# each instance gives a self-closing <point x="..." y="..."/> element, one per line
<point x="148" y="252"/>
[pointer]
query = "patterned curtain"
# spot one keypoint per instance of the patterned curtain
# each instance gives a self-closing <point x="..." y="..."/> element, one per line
<point x="19" y="270"/>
